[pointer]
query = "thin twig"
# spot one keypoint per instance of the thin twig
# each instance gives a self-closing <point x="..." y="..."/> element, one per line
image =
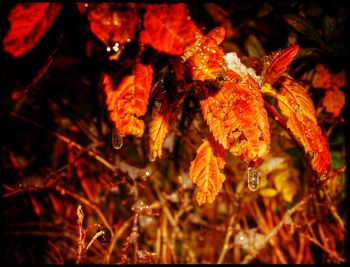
<point x="83" y="200"/>
<point x="117" y="234"/>
<point x="274" y="231"/>
<point x="68" y="141"/>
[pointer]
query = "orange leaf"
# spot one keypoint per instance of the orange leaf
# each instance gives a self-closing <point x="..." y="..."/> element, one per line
<point x="129" y="100"/>
<point x="113" y="23"/>
<point x="278" y="63"/>
<point x="205" y="57"/>
<point x="205" y="170"/>
<point x="236" y="116"/>
<point x="334" y="101"/>
<point x="168" y="28"/>
<point x="29" y="22"/>
<point x="298" y="107"/>
<point x="161" y="126"/>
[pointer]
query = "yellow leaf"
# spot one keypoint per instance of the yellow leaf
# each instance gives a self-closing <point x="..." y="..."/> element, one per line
<point x="289" y="190"/>
<point x="263" y="182"/>
<point x="160" y="127"/>
<point x="205" y="170"/>
<point x="268" y="192"/>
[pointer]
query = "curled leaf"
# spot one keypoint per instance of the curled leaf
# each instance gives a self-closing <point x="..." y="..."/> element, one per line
<point x="278" y="63"/>
<point x="297" y="106"/>
<point x="236" y="117"/>
<point x="205" y="170"/>
<point x="29" y="22"/>
<point x="129" y="100"/>
<point x="168" y="28"/>
<point x="205" y="57"/>
<point x="80" y="215"/>
<point x="161" y="126"/>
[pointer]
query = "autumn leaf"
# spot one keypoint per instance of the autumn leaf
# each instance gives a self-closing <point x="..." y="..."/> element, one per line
<point x="205" y="170"/>
<point x="205" y="57"/>
<point x="334" y="101"/>
<point x="28" y="24"/>
<point x="129" y="100"/>
<point x="286" y="183"/>
<point x="113" y="23"/>
<point x="324" y="79"/>
<point x="161" y="125"/>
<point x="237" y="119"/>
<point x="254" y="47"/>
<point x="168" y="28"/>
<point x="277" y="63"/>
<point x="297" y="106"/>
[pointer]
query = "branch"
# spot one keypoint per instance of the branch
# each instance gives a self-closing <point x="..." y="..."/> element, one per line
<point x="274" y="231"/>
<point x="83" y="200"/>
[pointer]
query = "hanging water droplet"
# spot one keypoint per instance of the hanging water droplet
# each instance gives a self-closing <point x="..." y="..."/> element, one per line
<point x="253" y="179"/>
<point x="117" y="139"/>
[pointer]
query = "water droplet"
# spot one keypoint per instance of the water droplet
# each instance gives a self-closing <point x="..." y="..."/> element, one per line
<point x="152" y="158"/>
<point x="108" y="49"/>
<point x="117" y="139"/>
<point x="253" y="179"/>
<point x="323" y="177"/>
<point x="106" y="235"/>
<point x="128" y="40"/>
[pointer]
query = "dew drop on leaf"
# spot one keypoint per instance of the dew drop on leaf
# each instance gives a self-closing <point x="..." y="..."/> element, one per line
<point x="117" y="139"/>
<point x="253" y="179"/>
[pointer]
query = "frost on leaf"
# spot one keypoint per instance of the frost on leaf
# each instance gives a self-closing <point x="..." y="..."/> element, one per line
<point x="237" y="118"/>
<point x="161" y="125"/>
<point x="234" y="63"/>
<point x="168" y="28"/>
<point x="334" y="101"/>
<point x="113" y="23"/>
<point x="129" y="100"/>
<point x="29" y="22"/>
<point x="278" y="63"/>
<point x="205" y="56"/>
<point x="298" y="107"/>
<point x="205" y="170"/>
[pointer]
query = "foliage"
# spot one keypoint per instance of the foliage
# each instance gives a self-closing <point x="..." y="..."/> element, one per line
<point x="174" y="133"/>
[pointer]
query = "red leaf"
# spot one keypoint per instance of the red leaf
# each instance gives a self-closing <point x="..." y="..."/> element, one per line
<point x="334" y="101"/>
<point x="278" y="63"/>
<point x="113" y="23"/>
<point x="237" y="118"/>
<point x="29" y="22"/>
<point x="129" y="100"/>
<point x="168" y="28"/>
<point x="205" y="57"/>
<point x="205" y="170"/>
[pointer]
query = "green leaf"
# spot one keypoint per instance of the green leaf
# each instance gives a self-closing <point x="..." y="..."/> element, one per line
<point x="254" y="47"/>
<point x="309" y="52"/>
<point x="337" y="159"/>
<point x="303" y="26"/>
